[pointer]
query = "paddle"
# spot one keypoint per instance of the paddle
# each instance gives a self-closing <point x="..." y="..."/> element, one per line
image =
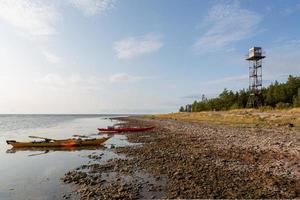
<point x="94" y="134"/>
<point x="81" y="136"/>
<point x="37" y="137"/>
<point x="37" y="154"/>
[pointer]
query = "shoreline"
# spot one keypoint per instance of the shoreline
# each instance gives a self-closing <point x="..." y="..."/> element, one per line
<point x="181" y="159"/>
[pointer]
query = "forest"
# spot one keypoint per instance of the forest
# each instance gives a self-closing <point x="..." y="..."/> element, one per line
<point x="277" y="95"/>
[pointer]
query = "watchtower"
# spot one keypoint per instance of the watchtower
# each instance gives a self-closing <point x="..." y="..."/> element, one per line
<point x="255" y="56"/>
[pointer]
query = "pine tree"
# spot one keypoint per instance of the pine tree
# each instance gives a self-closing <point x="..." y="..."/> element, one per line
<point x="297" y="99"/>
<point x="181" y="109"/>
<point x="281" y="95"/>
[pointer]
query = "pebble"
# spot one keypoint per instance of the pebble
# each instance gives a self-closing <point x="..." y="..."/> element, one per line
<point x="226" y="162"/>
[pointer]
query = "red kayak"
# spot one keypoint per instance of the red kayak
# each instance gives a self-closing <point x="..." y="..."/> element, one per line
<point x="124" y="129"/>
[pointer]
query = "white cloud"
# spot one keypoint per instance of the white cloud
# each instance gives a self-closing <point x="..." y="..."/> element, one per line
<point x="53" y="80"/>
<point x="242" y="80"/>
<point x="292" y="9"/>
<point x="92" y="7"/>
<point x="34" y="18"/>
<point x="52" y="58"/>
<point x="77" y="81"/>
<point x="226" y="24"/>
<point x="70" y="82"/>
<point x="283" y="59"/>
<point x="124" y="77"/>
<point x="137" y="46"/>
<point x="230" y="79"/>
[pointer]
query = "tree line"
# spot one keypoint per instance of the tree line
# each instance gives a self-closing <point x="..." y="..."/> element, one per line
<point x="277" y="95"/>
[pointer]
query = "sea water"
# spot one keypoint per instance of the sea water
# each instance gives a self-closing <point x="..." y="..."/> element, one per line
<point x="36" y="174"/>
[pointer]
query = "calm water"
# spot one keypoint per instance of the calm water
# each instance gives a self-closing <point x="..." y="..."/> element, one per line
<point x="36" y="174"/>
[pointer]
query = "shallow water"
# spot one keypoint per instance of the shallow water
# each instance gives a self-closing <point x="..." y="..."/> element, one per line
<point x="36" y="174"/>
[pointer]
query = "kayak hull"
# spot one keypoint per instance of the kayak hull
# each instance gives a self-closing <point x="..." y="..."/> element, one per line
<point x="58" y="143"/>
<point x="109" y="132"/>
<point x="125" y="129"/>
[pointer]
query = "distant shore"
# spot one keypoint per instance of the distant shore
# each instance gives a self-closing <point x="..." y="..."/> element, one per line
<point x="188" y="159"/>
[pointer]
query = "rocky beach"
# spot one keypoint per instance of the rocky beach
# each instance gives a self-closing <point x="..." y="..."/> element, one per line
<point x="188" y="160"/>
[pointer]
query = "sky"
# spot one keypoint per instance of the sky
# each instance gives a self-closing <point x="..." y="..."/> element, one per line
<point x="137" y="56"/>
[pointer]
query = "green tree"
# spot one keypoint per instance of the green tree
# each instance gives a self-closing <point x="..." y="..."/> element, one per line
<point x="297" y="99"/>
<point x="181" y="109"/>
<point x="280" y="95"/>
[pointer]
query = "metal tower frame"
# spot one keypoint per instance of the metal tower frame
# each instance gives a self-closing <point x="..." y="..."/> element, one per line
<point x="255" y="57"/>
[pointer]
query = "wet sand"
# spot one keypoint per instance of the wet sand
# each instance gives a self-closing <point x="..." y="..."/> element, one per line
<point x="196" y="160"/>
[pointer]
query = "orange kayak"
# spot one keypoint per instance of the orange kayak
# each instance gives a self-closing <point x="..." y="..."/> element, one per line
<point x="58" y="143"/>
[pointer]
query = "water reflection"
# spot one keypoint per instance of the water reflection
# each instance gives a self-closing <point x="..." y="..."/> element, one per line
<point x="34" y="173"/>
<point x="53" y="149"/>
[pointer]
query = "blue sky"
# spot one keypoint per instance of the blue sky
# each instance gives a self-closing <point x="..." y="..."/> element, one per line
<point x="137" y="56"/>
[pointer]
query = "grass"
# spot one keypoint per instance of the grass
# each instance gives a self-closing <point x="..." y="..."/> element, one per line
<point x="261" y="117"/>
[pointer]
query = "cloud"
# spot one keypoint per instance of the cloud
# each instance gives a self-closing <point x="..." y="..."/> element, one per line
<point x="283" y="59"/>
<point x="226" y="24"/>
<point x="124" y="77"/>
<point x="241" y="78"/>
<point x="39" y="18"/>
<point x="92" y="7"/>
<point x="137" y="46"/>
<point x="52" y="58"/>
<point x="90" y="82"/>
<point x="70" y="82"/>
<point x="292" y="9"/>
<point x="230" y="82"/>
<point x="53" y="80"/>
<point x="34" y="18"/>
